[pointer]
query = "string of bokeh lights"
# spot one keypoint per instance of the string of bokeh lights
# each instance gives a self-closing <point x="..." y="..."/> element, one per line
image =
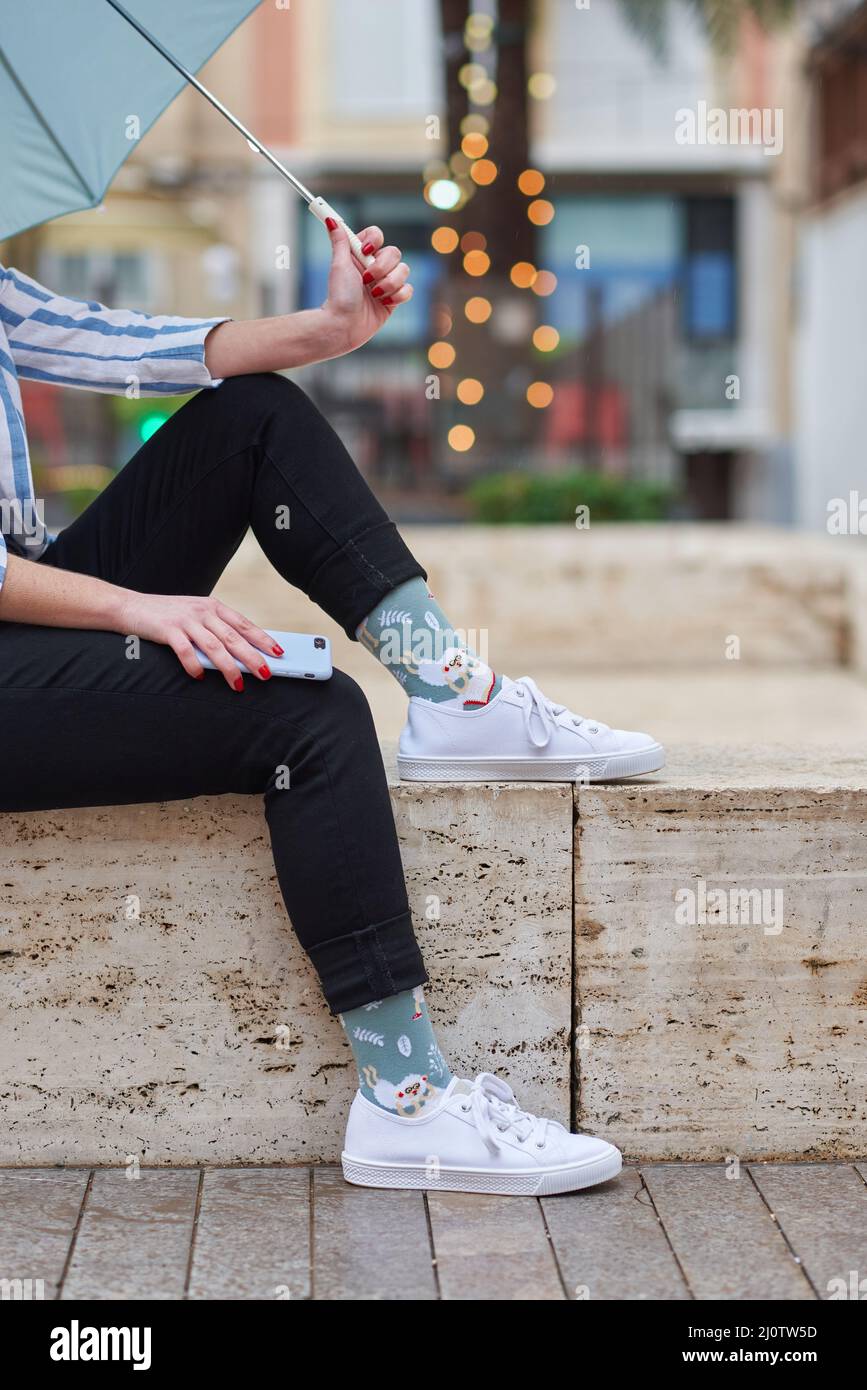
<point x="449" y="185"/>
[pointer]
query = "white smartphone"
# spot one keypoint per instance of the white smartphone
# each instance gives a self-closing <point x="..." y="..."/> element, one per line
<point x="304" y="656"/>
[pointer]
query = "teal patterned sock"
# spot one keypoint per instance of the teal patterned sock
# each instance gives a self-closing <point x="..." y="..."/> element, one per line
<point x="400" y="1066"/>
<point x="411" y="635"/>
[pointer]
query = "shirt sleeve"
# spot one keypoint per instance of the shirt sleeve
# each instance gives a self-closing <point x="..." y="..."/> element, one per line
<point x="73" y="343"/>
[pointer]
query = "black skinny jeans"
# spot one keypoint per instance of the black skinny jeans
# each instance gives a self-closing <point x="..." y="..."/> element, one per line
<point x="86" y="726"/>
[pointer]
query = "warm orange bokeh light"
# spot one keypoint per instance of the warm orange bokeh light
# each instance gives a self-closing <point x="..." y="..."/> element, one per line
<point x="478" y="309"/>
<point x="522" y="274"/>
<point x="444" y="240"/>
<point x="470" y="391"/>
<point x="473" y="241"/>
<point x="441" y="355"/>
<point x="474" y="145"/>
<point x="483" y="172"/>
<point x="545" y="283"/>
<point x="540" y="394"/>
<point x="546" y="338"/>
<point x="461" y="438"/>
<point x="477" y="262"/>
<point x="531" y="182"/>
<point x="541" y="212"/>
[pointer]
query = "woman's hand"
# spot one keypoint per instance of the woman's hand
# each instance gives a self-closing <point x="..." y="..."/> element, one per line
<point x="182" y="622"/>
<point x="360" y="302"/>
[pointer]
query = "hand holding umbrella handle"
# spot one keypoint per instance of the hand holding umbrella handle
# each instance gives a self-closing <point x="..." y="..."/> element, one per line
<point x="321" y="209"/>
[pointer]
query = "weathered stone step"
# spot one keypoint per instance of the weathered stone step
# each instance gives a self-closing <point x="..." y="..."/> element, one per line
<point x="721" y="955"/>
<point x="154" y="1002"/>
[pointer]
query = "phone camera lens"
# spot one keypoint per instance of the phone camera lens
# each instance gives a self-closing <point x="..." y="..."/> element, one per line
<point x="319" y="643"/>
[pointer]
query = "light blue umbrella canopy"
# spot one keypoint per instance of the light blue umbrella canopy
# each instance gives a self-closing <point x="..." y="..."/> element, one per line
<point x="72" y="72"/>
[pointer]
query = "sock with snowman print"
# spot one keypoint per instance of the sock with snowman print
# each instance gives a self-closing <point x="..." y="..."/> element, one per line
<point x="411" y="636"/>
<point x="400" y="1066"/>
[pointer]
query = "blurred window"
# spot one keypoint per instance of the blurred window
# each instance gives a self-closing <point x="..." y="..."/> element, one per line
<point x="709" y="280"/>
<point x="612" y="255"/>
<point x="398" y="42"/>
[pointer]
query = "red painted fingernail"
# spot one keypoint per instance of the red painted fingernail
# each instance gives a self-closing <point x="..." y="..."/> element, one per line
<point x="239" y="684"/>
<point x="366" y="278"/>
<point x="367" y="250"/>
<point x="377" y="292"/>
<point x="278" y="651"/>
<point x="388" y="300"/>
<point x="330" y="223"/>
<point x="200" y="676"/>
<point x="264" y="673"/>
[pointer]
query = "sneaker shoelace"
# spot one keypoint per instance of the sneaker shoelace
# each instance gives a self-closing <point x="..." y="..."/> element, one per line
<point x="496" y="1112"/>
<point x="545" y="710"/>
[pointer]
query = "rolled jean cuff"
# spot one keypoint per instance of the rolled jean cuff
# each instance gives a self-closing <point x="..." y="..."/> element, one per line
<point x="370" y="964"/>
<point x="352" y="581"/>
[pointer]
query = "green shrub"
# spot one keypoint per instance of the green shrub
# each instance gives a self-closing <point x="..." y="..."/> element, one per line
<point x="529" y="498"/>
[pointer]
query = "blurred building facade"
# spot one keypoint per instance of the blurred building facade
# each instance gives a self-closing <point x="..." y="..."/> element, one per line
<point x="830" y="345"/>
<point x="707" y="301"/>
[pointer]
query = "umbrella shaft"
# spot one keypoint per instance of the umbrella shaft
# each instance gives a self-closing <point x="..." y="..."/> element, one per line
<point x="200" y="87"/>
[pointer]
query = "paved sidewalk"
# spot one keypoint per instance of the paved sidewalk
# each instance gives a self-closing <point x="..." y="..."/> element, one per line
<point x="659" y="1231"/>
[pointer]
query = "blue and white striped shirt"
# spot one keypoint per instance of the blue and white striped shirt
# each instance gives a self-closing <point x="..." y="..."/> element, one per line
<point x="46" y="337"/>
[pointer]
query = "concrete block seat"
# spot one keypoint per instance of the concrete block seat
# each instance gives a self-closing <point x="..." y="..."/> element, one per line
<point x="154" y="1002"/>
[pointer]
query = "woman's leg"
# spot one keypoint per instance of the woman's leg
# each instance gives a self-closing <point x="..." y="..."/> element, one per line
<point x="94" y="727"/>
<point x="256" y="453"/>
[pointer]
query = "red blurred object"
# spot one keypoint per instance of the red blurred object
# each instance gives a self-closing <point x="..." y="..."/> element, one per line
<point x="45" y="427"/>
<point x="577" y="416"/>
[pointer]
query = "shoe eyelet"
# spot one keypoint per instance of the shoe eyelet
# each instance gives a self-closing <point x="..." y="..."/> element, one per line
<point x="539" y="1146"/>
<point x="465" y="1109"/>
<point x="594" y="728"/>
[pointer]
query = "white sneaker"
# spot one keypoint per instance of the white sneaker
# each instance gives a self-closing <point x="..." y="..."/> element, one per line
<point x="475" y="1139"/>
<point x="521" y="736"/>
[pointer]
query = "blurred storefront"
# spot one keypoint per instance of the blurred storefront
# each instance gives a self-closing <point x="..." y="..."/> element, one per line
<point x="658" y="321"/>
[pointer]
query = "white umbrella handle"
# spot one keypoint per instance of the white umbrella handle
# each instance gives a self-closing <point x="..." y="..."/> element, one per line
<point x="321" y="209"/>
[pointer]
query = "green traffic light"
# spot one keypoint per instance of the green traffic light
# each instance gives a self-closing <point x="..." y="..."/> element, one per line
<point x="149" y="424"/>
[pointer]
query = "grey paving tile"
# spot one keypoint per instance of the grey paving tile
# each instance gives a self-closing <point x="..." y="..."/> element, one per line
<point x="610" y="1243"/>
<point x="492" y="1248"/>
<point x="722" y="1234"/>
<point x="134" y="1238"/>
<point x="369" y="1243"/>
<point x="822" y="1210"/>
<point x="252" y="1237"/>
<point x="39" y="1208"/>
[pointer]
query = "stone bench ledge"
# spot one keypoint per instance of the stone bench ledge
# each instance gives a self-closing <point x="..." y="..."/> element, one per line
<point x="154" y="1000"/>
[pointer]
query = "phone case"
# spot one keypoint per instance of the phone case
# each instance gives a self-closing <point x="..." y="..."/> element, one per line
<point x="305" y="656"/>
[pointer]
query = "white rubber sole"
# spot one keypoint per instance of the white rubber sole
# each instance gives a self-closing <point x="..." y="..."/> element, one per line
<point x="603" y="768"/>
<point x="515" y="1183"/>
